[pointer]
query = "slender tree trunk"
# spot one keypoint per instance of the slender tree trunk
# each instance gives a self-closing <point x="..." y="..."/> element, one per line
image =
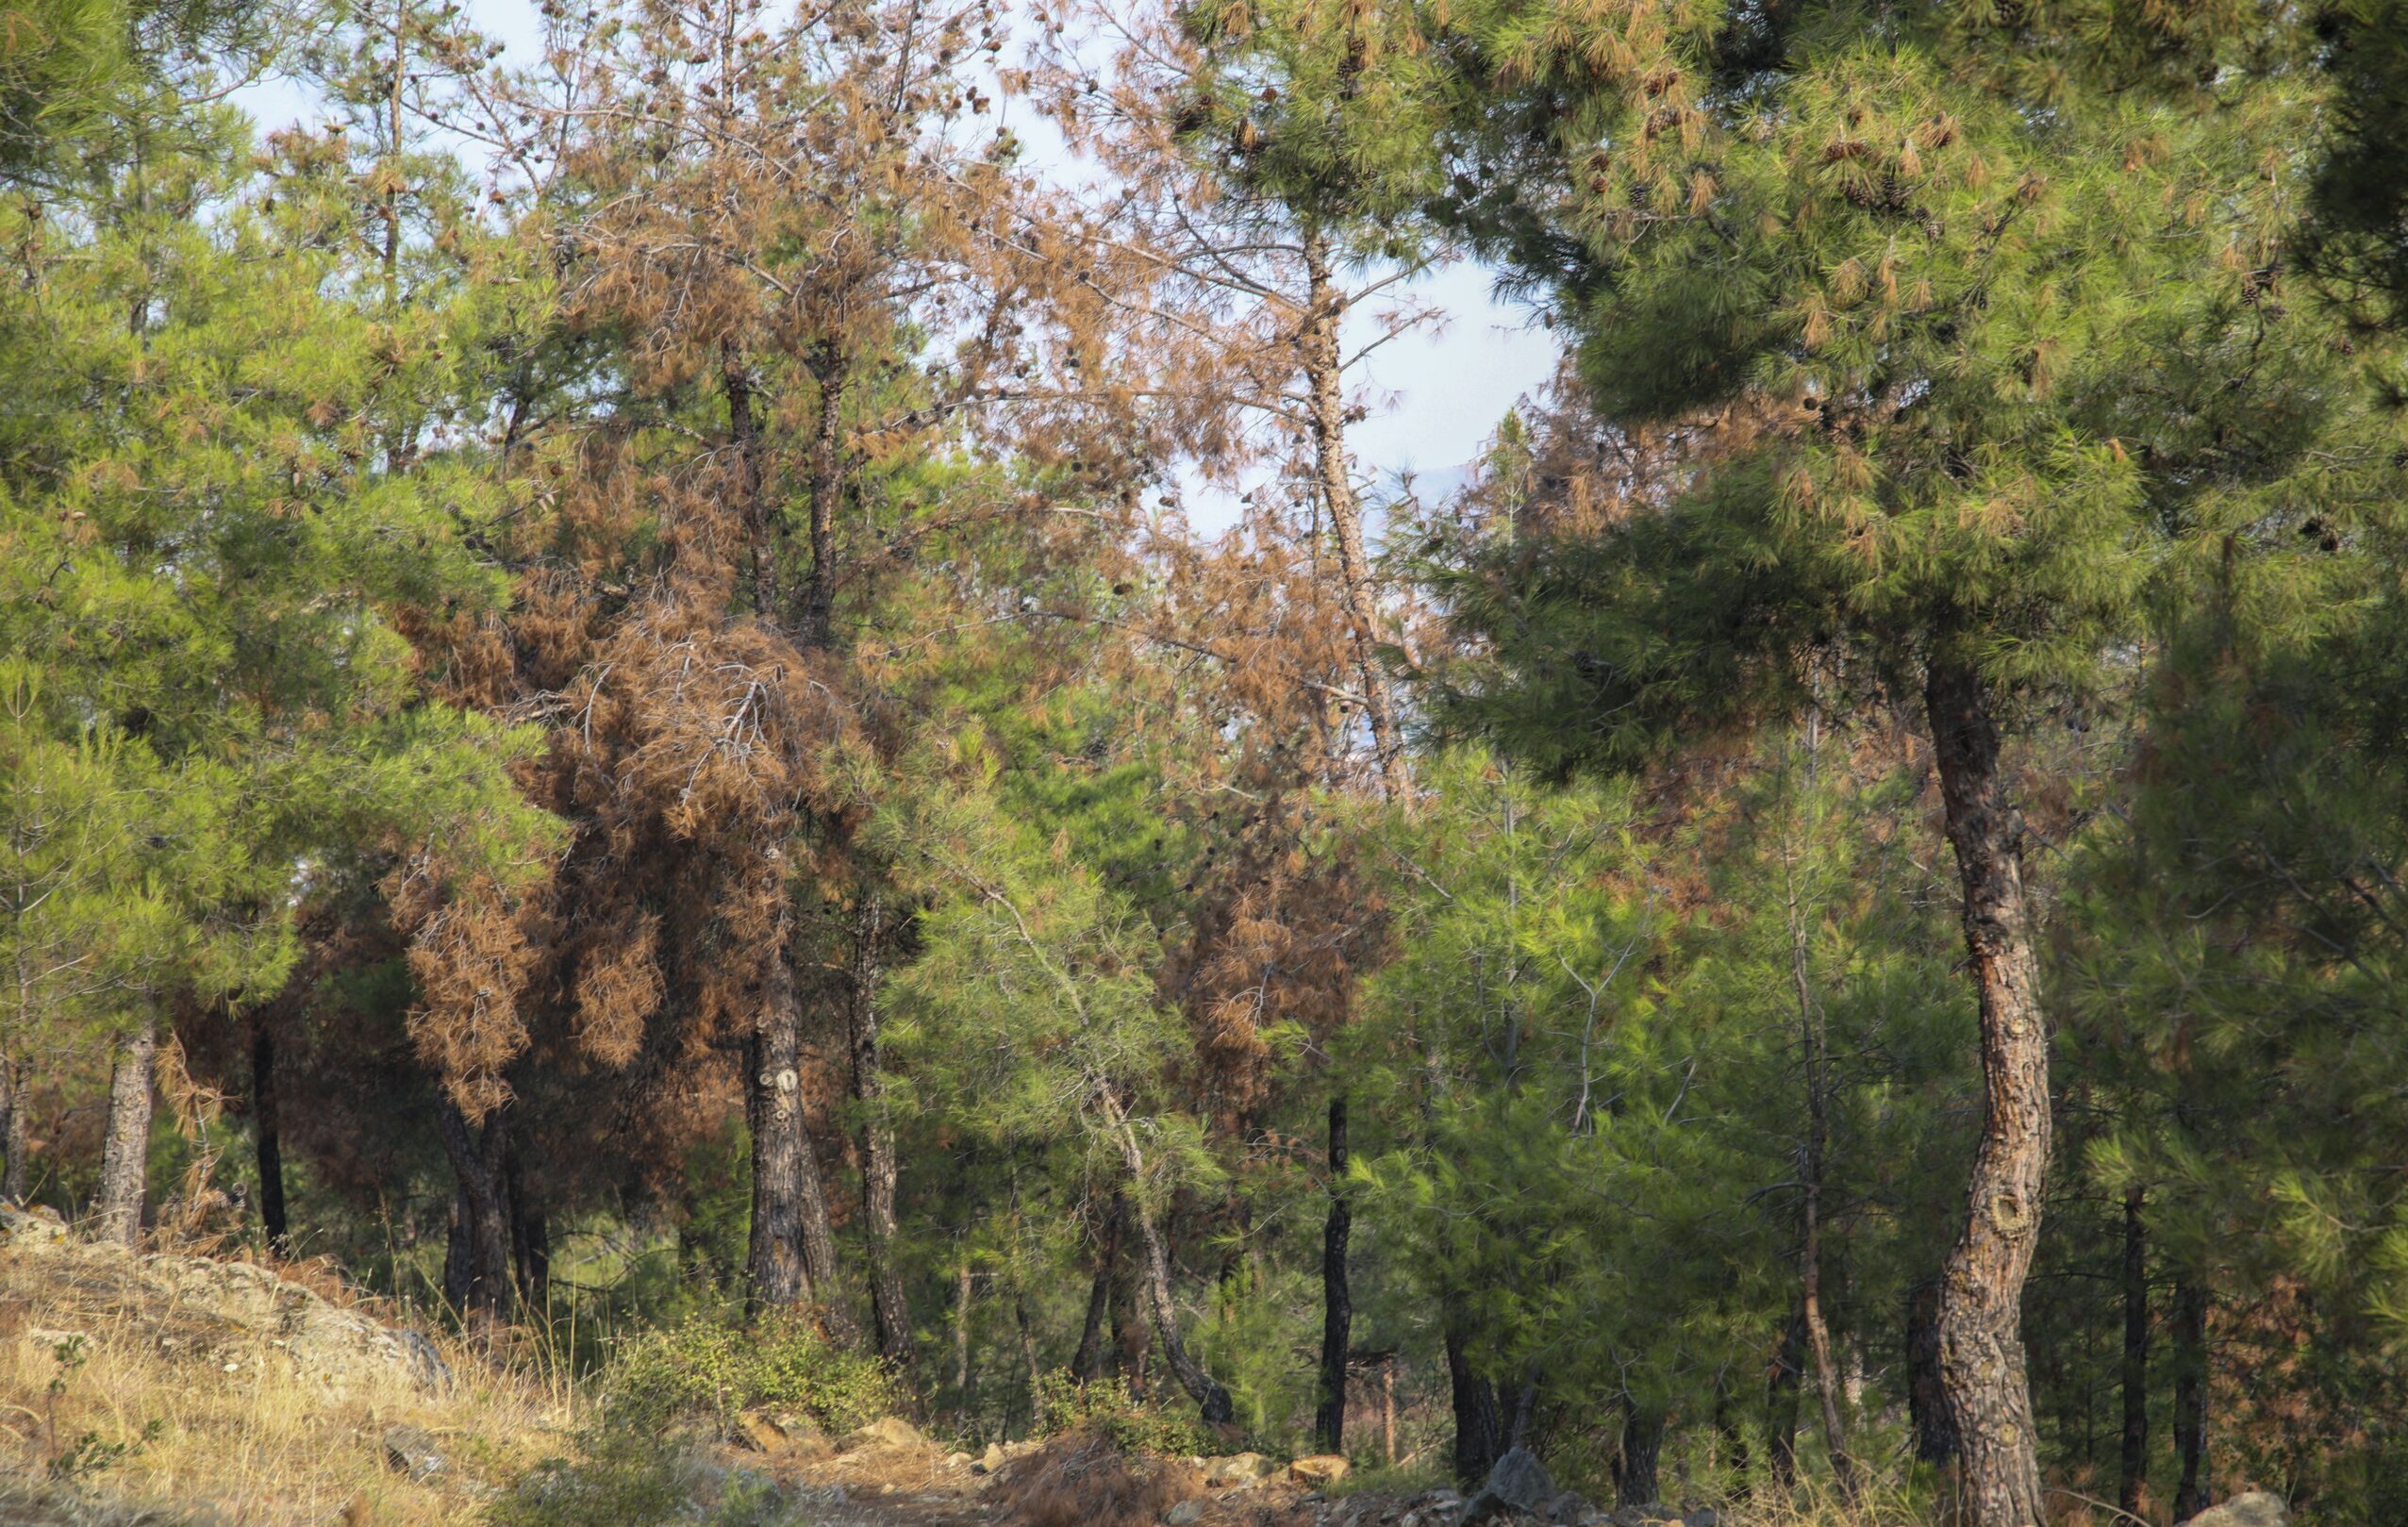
<point x="1324" y="360"/>
<point x="264" y="1137"/>
<point x="1732" y="1438"/>
<point x="459" y="1252"/>
<point x="1982" y="1357"/>
<point x="1926" y="1396"/>
<point x="125" y="1148"/>
<point x="816" y="626"/>
<point x="1479" y="1427"/>
<point x="1636" y="1466"/>
<point x="1086" y="1363"/>
<point x="480" y="1163"/>
<point x="752" y="507"/>
<point x="964" y="1280"/>
<point x="890" y="1310"/>
<point x="1387" y="1409"/>
<point x="530" y="1238"/>
<point x="1131" y="1332"/>
<point x="1337" y="1309"/>
<point x="1028" y="1351"/>
<point x="1781" y="1400"/>
<point x="2190" y="1396"/>
<point x="15" y="1128"/>
<point x="2135" y="1367"/>
<point x="1213" y="1404"/>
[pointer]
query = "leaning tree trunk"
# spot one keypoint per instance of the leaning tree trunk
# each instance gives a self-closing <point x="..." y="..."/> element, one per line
<point x="1982" y="1359"/>
<point x="265" y="1136"/>
<point x="15" y="1129"/>
<point x="1213" y="1403"/>
<point x="125" y="1148"/>
<point x="888" y="1308"/>
<point x="480" y="1163"/>
<point x="1324" y="362"/>
<point x="1338" y="1308"/>
<point x="2136" y="1365"/>
<point x="2190" y="1396"/>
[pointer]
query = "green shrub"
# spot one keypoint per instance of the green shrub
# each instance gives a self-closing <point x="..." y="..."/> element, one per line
<point x="1064" y="1404"/>
<point x="710" y="1367"/>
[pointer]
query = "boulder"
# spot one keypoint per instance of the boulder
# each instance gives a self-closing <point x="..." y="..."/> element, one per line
<point x="1235" y="1468"/>
<point x="34" y="1229"/>
<point x="885" y="1432"/>
<point x="1518" y="1484"/>
<point x="2255" y="1509"/>
<point x="992" y="1459"/>
<point x="1319" y="1470"/>
<point x="412" y="1451"/>
<point x="1185" y="1513"/>
<point x="779" y="1431"/>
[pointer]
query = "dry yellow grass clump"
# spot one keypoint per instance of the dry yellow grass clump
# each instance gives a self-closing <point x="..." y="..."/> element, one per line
<point x="155" y="1388"/>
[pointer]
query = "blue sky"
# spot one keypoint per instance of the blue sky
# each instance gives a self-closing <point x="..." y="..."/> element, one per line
<point x="1437" y="394"/>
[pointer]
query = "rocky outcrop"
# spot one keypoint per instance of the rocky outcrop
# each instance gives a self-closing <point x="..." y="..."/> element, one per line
<point x="2255" y="1509"/>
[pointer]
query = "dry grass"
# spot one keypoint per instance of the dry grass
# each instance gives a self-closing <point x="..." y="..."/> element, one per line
<point x="234" y="1432"/>
<point x="1083" y="1480"/>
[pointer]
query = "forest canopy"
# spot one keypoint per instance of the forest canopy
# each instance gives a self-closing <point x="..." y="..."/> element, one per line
<point x="673" y="681"/>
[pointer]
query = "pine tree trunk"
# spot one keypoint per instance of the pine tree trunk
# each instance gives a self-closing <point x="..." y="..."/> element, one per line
<point x="2135" y="1366"/>
<point x="1086" y="1363"/>
<point x="2190" y="1396"/>
<point x="1337" y="1309"/>
<point x="480" y="1162"/>
<point x="775" y="1276"/>
<point x="1926" y="1396"/>
<point x="459" y="1252"/>
<point x="816" y="626"/>
<point x="1213" y="1404"/>
<point x="15" y="1129"/>
<point x="1131" y="1332"/>
<point x="530" y="1238"/>
<point x="1479" y="1427"/>
<point x="1028" y="1357"/>
<point x="753" y="507"/>
<point x="1781" y="1401"/>
<point x="265" y="1138"/>
<point x="125" y="1152"/>
<point x="1982" y="1357"/>
<point x="1636" y="1466"/>
<point x="888" y="1308"/>
<point x="963" y="1285"/>
<point x="1324" y="356"/>
<point x="1733" y="1439"/>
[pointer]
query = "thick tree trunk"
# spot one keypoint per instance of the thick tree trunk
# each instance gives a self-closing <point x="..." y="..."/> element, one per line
<point x="1926" y="1396"/>
<point x="1324" y="360"/>
<point x="1781" y="1400"/>
<point x="265" y="1138"/>
<point x="1338" y="1308"/>
<point x="15" y="1130"/>
<point x="480" y="1163"/>
<point x="2134" y="1476"/>
<point x="888" y="1308"/>
<point x="775" y="1277"/>
<point x="124" y="1151"/>
<point x="1479" y="1426"/>
<point x="817" y="623"/>
<point x="1086" y="1363"/>
<point x="1636" y="1466"/>
<point x="2190" y="1396"/>
<point x="1982" y="1357"/>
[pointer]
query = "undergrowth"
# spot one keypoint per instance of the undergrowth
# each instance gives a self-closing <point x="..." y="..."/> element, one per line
<point x="711" y="1368"/>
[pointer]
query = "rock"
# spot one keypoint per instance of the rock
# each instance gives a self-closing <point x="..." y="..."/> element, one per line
<point x="1319" y="1470"/>
<point x="1702" y="1517"/>
<point x="412" y="1451"/>
<point x="1646" y="1516"/>
<point x="34" y="1229"/>
<point x="1235" y="1468"/>
<point x="957" y="1460"/>
<point x="1519" y="1483"/>
<point x="1571" y="1509"/>
<point x="779" y="1431"/>
<point x="992" y="1459"/>
<point x="1185" y="1513"/>
<point x="2255" y="1509"/>
<point x="885" y="1432"/>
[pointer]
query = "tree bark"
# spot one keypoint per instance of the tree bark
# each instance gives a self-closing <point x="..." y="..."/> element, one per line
<point x="1131" y="1332"/>
<point x="817" y="622"/>
<point x="2191" y="1495"/>
<point x="530" y="1238"/>
<point x="1479" y="1427"/>
<point x="890" y="1310"/>
<point x="1982" y="1356"/>
<point x="1926" y="1396"/>
<point x="2134" y="1476"/>
<point x="1086" y="1363"/>
<point x="776" y="1277"/>
<point x="1781" y="1401"/>
<point x="1636" y="1466"/>
<point x="459" y="1252"/>
<point x="1322" y="347"/>
<point x="753" y="508"/>
<point x="1213" y="1404"/>
<point x="480" y="1163"/>
<point x="124" y="1154"/>
<point x="963" y="1285"/>
<point x="265" y="1138"/>
<point x="1337" y="1309"/>
<point x="15" y="1127"/>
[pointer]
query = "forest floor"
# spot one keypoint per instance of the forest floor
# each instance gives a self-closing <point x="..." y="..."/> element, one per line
<point x="168" y="1390"/>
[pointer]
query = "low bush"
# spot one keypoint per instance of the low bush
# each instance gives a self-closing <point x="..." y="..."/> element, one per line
<point x="1089" y="1479"/>
<point x="1064" y="1406"/>
<point x="710" y="1367"/>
